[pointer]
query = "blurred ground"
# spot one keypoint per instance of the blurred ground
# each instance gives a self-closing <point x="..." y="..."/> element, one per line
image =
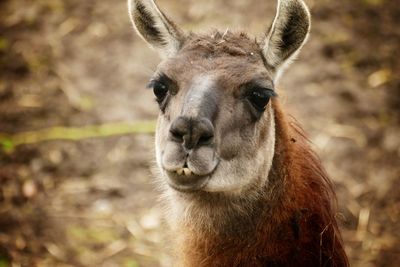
<point x="90" y="202"/>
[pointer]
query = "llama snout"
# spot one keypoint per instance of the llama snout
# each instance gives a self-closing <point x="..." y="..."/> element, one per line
<point x="189" y="157"/>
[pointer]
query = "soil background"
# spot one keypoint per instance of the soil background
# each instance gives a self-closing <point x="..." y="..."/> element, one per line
<point x="91" y="201"/>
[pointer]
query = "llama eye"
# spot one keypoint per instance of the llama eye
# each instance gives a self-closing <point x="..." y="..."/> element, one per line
<point x="160" y="90"/>
<point x="259" y="98"/>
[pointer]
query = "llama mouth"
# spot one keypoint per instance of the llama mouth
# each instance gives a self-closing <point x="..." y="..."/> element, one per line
<point x="190" y="178"/>
<point x="185" y="181"/>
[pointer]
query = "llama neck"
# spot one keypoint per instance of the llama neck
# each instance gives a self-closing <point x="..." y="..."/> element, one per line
<point x="291" y="224"/>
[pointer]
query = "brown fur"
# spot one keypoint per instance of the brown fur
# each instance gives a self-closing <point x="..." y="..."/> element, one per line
<point x="294" y="220"/>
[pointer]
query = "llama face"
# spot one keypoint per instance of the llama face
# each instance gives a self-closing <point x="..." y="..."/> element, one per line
<point x="215" y="132"/>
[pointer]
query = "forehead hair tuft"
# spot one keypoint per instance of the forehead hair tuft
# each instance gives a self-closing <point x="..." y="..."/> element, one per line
<point x="222" y="43"/>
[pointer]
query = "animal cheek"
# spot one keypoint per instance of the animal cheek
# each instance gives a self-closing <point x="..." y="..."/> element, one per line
<point x="168" y="112"/>
<point x="230" y="146"/>
<point x="161" y="132"/>
<point x="167" y="116"/>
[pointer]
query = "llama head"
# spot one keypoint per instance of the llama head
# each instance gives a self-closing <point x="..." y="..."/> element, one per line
<point x="216" y="131"/>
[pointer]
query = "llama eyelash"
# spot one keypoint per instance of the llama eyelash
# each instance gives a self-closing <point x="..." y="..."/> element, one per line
<point x="160" y="77"/>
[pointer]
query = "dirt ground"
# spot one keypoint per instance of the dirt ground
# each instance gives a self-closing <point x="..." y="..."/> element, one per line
<point x="91" y="202"/>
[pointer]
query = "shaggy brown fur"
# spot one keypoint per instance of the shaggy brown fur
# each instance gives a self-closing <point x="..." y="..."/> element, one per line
<point x="292" y="224"/>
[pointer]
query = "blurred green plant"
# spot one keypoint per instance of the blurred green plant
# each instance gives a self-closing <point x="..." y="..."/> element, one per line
<point x="4" y="262"/>
<point x="130" y="263"/>
<point x="9" y="142"/>
<point x="6" y="144"/>
<point x="3" y="44"/>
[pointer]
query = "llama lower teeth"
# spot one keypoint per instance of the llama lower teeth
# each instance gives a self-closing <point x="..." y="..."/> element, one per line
<point x="180" y="171"/>
<point x="187" y="171"/>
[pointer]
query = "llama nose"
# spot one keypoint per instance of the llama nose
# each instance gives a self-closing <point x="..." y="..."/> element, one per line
<point x="192" y="132"/>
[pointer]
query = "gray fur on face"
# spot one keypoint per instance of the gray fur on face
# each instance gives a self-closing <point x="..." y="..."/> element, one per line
<point x="201" y="99"/>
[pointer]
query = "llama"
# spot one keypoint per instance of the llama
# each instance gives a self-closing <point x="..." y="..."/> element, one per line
<point x="239" y="181"/>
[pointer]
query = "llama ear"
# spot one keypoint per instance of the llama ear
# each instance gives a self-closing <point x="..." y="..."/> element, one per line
<point x="287" y="33"/>
<point x="155" y="28"/>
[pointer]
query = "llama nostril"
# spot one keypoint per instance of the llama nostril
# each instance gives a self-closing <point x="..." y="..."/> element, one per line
<point x="192" y="132"/>
<point x="179" y="129"/>
<point x="176" y="135"/>
<point x="204" y="132"/>
<point x="205" y="140"/>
